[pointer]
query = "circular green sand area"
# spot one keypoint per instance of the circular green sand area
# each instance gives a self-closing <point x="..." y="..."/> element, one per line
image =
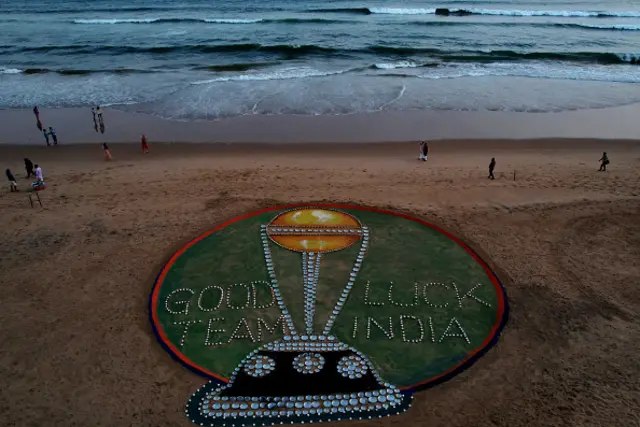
<point x="423" y="305"/>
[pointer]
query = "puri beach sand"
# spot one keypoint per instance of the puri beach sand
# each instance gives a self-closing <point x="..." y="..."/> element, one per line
<point x="78" y="348"/>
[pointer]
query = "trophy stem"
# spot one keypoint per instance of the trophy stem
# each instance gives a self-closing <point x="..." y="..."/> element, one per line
<point x="274" y="283"/>
<point x="352" y="278"/>
<point x="310" y="272"/>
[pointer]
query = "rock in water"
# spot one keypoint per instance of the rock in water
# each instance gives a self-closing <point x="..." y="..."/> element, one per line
<point x="446" y="12"/>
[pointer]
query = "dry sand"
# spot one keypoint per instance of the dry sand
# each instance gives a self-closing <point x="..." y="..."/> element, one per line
<point x="77" y="348"/>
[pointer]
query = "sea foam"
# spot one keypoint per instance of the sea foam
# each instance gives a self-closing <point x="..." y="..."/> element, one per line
<point x="394" y="65"/>
<point x="164" y="20"/>
<point x="282" y="74"/>
<point x="10" y="71"/>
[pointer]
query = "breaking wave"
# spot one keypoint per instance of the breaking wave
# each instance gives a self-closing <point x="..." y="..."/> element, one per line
<point x="292" y="51"/>
<point x="114" y="21"/>
<point x="282" y="74"/>
<point x="71" y="72"/>
<point x="473" y="11"/>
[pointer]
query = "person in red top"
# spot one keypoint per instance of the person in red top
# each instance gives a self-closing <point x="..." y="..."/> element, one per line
<point x="145" y="147"/>
<point x="107" y="153"/>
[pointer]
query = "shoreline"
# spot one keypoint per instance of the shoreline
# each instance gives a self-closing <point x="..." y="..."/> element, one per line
<point x="449" y="150"/>
<point x="75" y="126"/>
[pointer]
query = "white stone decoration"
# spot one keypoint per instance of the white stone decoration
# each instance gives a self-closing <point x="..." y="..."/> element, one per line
<point x="352" y="367"/>
<point x="308" y="363"/>
<point x="220" y="408"/>
<point x="260" y="366"/>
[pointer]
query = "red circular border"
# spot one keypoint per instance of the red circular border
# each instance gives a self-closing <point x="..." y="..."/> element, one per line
<point x="500" y="318"/>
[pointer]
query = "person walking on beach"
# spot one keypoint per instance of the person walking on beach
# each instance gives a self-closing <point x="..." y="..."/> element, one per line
<point x="95" y="122"/>
<point x="12" y="181"/>
<point x="99" y="113"/>
<point x="145" y="147"/>
<point x="52" y="132"/>
<point x="605" y="161"/>
<point x="424" y="151"/>
<point x="28" y="165"/>
<point x="46" y="136"/>
<point x="39" y="182"/>
<point x="39" y="176"/>
<point x="36" y="111"/>
<point x="107" y="154"/>
<point x="492" y="166"/>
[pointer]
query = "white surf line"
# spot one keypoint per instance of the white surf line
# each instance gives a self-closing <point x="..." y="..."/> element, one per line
<point x="404" y="88"/>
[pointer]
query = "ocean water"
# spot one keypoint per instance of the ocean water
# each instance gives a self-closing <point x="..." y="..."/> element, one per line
<point x="196" y="59"/>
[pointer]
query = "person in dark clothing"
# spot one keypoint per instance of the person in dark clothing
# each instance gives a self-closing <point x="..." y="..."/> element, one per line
<point x="46" y="136"/>
<point x="12" y="180"/>
<point x="95" y="120"/>
<point x="492" y="166"/>
<point x="28" y="165"/>
<point x="424" y="151"/>
<point x="605" y="161"/>
<point x="53" y="135"/>
<point x="36" y="111"/>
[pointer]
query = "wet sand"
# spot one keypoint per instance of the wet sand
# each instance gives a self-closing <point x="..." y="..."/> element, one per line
<point x="75" y="125"/>
<point x="78" y="349"/>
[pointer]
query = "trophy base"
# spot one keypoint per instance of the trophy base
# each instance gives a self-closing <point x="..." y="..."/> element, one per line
<point x="276" y="410"/>
<point x="295" y="382"/>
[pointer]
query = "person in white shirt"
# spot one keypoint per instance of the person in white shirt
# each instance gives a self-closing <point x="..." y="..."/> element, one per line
<point x="38" y="184"/>
<point x="99" y="114"/>
<point x="39" y="177"/>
